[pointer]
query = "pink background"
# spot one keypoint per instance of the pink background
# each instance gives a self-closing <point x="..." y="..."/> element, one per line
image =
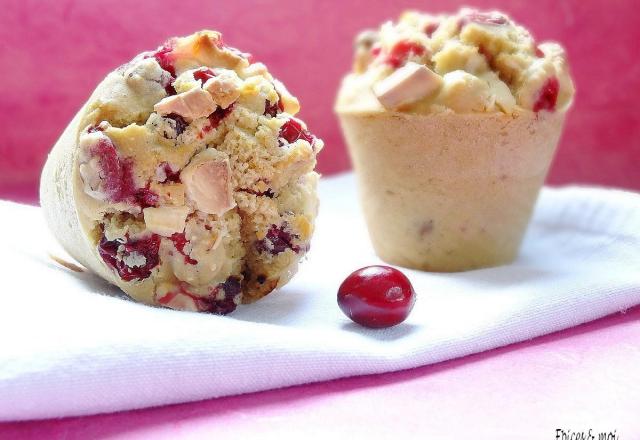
<point x="53" y="53"/>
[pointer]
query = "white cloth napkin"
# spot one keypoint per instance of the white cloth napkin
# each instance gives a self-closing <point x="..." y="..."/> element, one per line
<point x="70" y="344"/>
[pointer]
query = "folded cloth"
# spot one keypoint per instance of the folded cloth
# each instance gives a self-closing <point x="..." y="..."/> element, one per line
<point x="70" y="344"/>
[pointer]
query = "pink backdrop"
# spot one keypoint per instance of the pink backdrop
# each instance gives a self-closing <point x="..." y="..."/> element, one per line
<point x="53" y="53"/>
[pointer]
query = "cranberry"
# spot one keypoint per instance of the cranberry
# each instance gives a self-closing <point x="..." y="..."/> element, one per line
<point x="116" y="254"/>
<point x="166" y="299"/>
<point x="179" y="241"/>
<point x="292" y="130"/>
<point x="111" y="169"/>
<point x="117" y="177"/>
<point x="376" y="49"/>
<point x="547" y="96"/>
<point x="277" y="241"/>
<point x="431" y="28"/>
<point x="167" y="83"/>
<point x="165" y="59"/>
<point x="204" y="74"/>
<point x="128" y="192"/>
<point x="232" y="290"/>
<point x="401" y="51"/>
<point x="170" y="175"/>
<point x="273" y="109"/>
<point x="482" y="50"/>
<point x="127" y="186"/>
<point x="376" y="296"/>
<point x="179" y="122"/>
<point x="145" y="198"/>
<point x="216" y="117"/>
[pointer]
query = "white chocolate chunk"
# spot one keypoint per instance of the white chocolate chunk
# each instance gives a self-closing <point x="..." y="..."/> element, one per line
<point x="463" y="93"/>
<point x="503" y="96"/>
<point x="290" y="103"/>
<point x="208" y="250"/>
<point x="408" y="84"/>
<point x="196" y="103"/>
<point x="224" y="88"/>
<point x="207" y="179"/>
<point x="166" y="220"/>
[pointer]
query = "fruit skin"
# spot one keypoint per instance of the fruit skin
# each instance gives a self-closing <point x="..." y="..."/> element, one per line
<point x="401" y="51"/>
<point x="292" y="130"/>
<point x="376" y="296"/>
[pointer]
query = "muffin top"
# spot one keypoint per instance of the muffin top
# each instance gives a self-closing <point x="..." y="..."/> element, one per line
<point x="468" y="62"/>
<point x="194" y="180"/>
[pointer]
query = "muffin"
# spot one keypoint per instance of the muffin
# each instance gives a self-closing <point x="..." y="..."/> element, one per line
<point x="452" y="123"/>
<point x="185" y="179"/>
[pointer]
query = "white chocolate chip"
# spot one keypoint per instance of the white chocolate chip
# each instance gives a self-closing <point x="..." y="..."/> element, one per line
<point x="166" y="220"/>
<point x="193" y="104"/>
<point x="224" y="87"/>
<point x="408" y="84"/>
<point x="290" y="103"/>
<point x="207" y="179"/>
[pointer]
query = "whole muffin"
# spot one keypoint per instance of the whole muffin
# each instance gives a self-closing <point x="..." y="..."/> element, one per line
<point x="185" y="179"/>
<point x="452" y="122"/>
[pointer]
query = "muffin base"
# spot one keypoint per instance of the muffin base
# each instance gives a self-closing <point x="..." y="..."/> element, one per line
<point x="449" y="192"/>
